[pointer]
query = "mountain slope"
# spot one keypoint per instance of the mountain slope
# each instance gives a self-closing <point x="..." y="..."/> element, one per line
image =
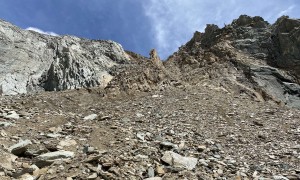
<point x="209" y="112"/>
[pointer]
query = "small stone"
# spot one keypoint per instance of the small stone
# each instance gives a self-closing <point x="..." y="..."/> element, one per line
<point x="181" y="145"/>
<point x="51" y="135"/>
<point x="179" y="161"/>
<point x="203" y="162"/>
<point x="160" y="170"/>
<point x="55" y="129"/>
<point x="39" y="172"/>
<point x="3" y="133"/>
<point x="168" y="145"/>
<point x="151" y="172"/>
<point x="201" y="148"/>
<point x="12" y="115"/>
<point x="255" y="173"/>
<point x="139" y="115"/>
<point x="156" y="96"/>
<point x="141" y="136"/>
<point x="88" y="149"/>
<point x="279" y="177"/>
<point x="93" y="176"/>
<point x="220" y="172"/>
<point x="90" y="117"/>
<point x="5" y="124"/>
<point x="92" y="158"/>
<point x="296" y="147"/>
<point x="113" y="127"/>
<point x="105" y="118"/>
<point x="140" y="156"/>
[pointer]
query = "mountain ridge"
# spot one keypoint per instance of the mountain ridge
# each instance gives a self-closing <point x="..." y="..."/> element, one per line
<point x="249" y="48"/>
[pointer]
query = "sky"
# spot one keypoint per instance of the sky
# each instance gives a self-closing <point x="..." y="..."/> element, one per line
<point x="138" y="25"/>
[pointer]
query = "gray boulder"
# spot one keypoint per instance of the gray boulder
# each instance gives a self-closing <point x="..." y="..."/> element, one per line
<point x="19" y="148"/>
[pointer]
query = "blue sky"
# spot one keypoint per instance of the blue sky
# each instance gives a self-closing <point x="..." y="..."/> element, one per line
<point x="139" y="25"/>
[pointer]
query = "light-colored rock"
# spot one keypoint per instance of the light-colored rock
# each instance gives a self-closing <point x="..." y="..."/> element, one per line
<point x="151" y="172"/>
<point x="39" y="172"/>
<point x="90" y="117"/>
<point x="179" y="161"/>
<point x="3" y="133"/>
<point x="12" y="115"/>
<point x="160" y="170"/>
<point x="6" y="160"/>
<point x="53" y="135"/>
<point x="26" y="177"/>
<point x="141" y="136"/>
<point x="19" y="148"/>
<point x="5" y="124"/>
<point x="92" y="176"/>
<point x="48" y="158"/>
<point x="139" y="115"/>
<point x="279" y="177"/>
<point x="67" y="142"/>
<point x="154" y="178"/>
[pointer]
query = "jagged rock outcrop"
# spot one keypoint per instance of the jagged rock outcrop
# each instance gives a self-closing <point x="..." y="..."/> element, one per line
<point x="31" y="62"/>
<point x="249" y="55"/>
<point x="140" y="75"/>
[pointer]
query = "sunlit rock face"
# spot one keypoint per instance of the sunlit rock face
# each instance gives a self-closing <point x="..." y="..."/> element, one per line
<point x="31" y="62"/>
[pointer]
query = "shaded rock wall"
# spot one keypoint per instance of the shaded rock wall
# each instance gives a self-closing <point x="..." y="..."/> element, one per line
<point x="286" y="38"/>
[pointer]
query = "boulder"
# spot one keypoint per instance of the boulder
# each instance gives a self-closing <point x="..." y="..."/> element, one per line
<point x="20" y="148"/>
<point x="48" y="158"/>
<point x="178" y="161"/>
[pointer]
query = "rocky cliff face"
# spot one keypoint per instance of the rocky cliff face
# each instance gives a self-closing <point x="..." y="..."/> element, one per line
<point x="31" y="62"/>
<point x="249" y="55"/>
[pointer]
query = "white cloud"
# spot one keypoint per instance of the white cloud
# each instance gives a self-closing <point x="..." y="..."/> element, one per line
<point x="286" y="11"/>
<point x="174" y="21"/>
<point x="41" y="31"/>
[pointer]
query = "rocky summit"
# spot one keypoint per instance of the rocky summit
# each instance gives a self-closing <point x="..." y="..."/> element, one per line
<point x="224" y="106"/>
